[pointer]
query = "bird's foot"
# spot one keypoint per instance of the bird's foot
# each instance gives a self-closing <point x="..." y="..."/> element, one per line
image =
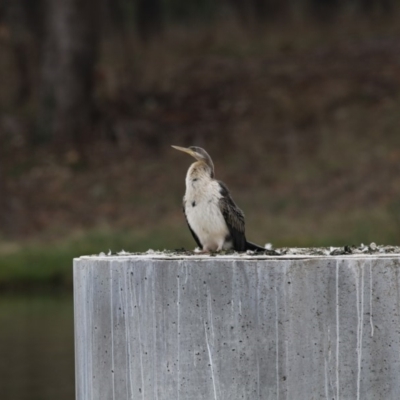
<point x="207" y="251"/>
<point x="201" y="251"/>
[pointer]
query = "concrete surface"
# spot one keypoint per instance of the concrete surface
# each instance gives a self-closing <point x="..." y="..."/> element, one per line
<point x="245" y="327"/>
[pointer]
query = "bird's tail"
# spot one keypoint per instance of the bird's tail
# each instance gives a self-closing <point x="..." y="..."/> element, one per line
<point x="254" y="247"/>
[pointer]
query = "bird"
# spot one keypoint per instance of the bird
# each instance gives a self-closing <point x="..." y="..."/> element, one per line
<point x="214" y="219"/>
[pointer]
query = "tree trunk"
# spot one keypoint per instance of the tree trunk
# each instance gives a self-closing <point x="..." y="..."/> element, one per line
<point x="149" y="18"/>
<point x="17" y="16"/>
<point x="383" y="6"/>
<point x="325" y="9"/>
<point x="269" y="9"/>
<point x="68" y="61"/>
<point x="8" y="221"/>
<point x="258" y="11"/>
<point x="242" y="9"/>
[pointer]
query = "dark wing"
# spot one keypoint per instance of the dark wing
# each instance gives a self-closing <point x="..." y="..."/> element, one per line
<point x="234" y="218"/>
<point x="191" y="230"/>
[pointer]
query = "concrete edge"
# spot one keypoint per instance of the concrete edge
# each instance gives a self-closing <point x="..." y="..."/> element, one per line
<point x="204" y="257"/>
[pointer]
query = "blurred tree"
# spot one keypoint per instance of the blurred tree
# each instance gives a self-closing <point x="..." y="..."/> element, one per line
<point x="8" y="222"/>
<point x="149" y="18"/>
<point x="184" y="11"/>
<point x="268" y="9"/>
<point x="68" y="61"/>
<point x="241" y="9"/>
<point x="369" y="6"/>
<point x="325" y="9"/>
<point x="258" y="10"/>
<point x="113" y="13"/>
<point x="24" y="23"/>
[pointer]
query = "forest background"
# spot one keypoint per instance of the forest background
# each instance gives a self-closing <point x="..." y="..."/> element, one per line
<point x="297" y="101"/>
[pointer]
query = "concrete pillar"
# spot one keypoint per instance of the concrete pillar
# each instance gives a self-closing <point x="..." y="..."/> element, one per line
<point x="159" y="327"/>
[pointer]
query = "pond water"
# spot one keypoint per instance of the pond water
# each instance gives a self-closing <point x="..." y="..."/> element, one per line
<point x="36" y="347"/>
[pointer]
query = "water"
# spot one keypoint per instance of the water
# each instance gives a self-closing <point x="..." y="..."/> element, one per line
<point x="36" y="348"/>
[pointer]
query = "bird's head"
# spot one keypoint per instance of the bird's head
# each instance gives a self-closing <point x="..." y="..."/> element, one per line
<point x="199" y="154"/>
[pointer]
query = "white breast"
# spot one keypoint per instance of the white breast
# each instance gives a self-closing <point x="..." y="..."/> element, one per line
<point x="202" y="210"/>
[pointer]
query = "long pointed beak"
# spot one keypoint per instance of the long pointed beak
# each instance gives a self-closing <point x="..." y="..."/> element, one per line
<point x="186" y="150"/>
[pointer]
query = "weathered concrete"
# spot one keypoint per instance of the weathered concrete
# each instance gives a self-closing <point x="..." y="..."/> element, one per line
<point x="204" y="328"/>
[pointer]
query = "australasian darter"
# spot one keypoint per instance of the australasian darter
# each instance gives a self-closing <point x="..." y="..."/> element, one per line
<point x="214" y="220"/>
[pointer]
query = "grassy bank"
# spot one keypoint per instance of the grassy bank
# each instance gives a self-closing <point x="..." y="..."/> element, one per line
<point x="40" y="263"/>
<point x="44" y="264"/>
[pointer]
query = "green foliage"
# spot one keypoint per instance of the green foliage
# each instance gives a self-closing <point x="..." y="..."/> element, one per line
<point x="41" y="264"/>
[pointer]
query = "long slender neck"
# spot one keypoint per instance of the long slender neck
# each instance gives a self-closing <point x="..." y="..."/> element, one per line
<point x="199" y="172"/>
